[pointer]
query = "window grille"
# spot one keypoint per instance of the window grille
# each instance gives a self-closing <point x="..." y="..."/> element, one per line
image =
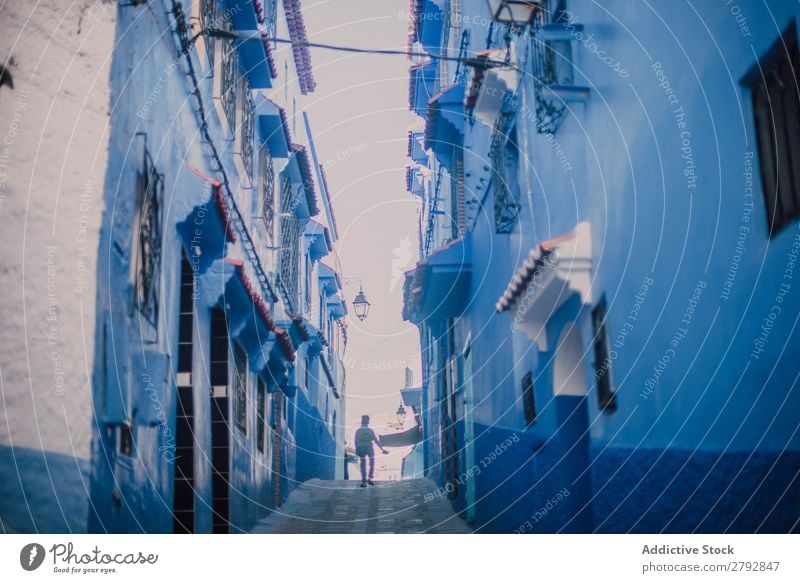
<point x="261" y="413"/>
<point x="551" y="65"/>
<point x="248" y="128"/>
<point x="528" y="399"/>
<point x="208" y="15"/>
<point x="271" y="17"/>
<point x="504" y="176"/>
<point x="229" y="70"/>
<point x="268" y="195"/>
<point x="240" y="387"/>
<point x="288" y="265"/>
<point x="147" y="244"/>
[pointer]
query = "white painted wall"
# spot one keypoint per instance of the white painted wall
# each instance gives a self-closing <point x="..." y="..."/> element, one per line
<point x="53" y="149"/>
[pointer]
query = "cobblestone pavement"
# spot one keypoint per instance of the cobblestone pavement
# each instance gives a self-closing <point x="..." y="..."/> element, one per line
<point x="338" y="506"/>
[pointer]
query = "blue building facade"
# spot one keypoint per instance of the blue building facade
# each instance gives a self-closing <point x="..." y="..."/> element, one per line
<point x="607" y="297"/>
<point x="217" y="381"/>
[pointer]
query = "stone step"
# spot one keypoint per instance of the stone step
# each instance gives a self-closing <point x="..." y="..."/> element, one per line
<point x="342" y="506"/>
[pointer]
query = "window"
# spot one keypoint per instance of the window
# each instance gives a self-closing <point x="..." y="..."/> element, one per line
<point x="261" y="413"/>
<point x="776" y="107"/>
<point x="268" y="195"/>
<point x="126" y="439"/>
<point x="229" y="69"/>
<point x="552" y="66"/>
<point x="271" y="17"/>
<point x="528" y="399"/>
<point x="208" y="14"/>
<point x="457" y="200"/>
<point x="248" y="128"/>
<point x="289" y="259"/>
<point x="606" y="397"/>
<point x="146" y="244"/>
<point x="240" y="387"/>
<point x="505" y="158"/>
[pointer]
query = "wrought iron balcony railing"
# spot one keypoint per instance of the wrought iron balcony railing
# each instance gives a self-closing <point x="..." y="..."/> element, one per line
<point x="551" y="63"/>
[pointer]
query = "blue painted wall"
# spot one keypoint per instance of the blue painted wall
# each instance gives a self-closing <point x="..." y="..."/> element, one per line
<point x="708" y="442"/>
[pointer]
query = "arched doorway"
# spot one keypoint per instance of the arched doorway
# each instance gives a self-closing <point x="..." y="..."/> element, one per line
<point x="572" y="434"/>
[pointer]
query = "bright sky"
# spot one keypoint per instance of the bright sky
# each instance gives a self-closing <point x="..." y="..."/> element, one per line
<point x="359" y="117"/>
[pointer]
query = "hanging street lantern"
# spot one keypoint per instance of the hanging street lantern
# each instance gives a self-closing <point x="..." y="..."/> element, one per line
<point x="361" y="305"/>
<point x="401" y="414"/>
<point x="516" y="12"/>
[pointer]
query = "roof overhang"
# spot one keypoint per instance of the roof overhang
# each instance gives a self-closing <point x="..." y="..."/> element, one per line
<point x="421" y="83"/>
<point x="329" y="280"/>
<point x="305" y="176"/>
<point x="554" y="271"/>
<point x="319" y="244"/>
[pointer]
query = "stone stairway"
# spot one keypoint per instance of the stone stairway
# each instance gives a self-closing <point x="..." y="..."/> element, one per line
<point x="340" y="506"/>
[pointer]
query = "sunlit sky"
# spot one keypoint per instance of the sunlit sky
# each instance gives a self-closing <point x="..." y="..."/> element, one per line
<point x="359" y="117"/>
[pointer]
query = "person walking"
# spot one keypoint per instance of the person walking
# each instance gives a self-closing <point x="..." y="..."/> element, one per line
<point x="365" y="437"/>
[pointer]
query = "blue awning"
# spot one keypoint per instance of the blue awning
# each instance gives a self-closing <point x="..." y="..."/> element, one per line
<point x="430" y="25"/>
<point x="224" y="284"/>
<point x="205" y="234"/>
<point x="439" y="286"/>
<point x="403" y="439"/>
<point x="273" y="126"/>
<point x="444" y="125"/>
<point x="255" y="58"/>
<point x="412" y="397"/>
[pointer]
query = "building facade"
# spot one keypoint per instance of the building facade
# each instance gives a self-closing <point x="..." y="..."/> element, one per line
<point x="608" y="233"/>
<point x="220" y="335"/>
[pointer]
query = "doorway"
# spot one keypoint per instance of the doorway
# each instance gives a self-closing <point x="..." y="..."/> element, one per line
<point x="572" y="417"/>
<point x="220" y="432"/>
<point x="183" y="482"/>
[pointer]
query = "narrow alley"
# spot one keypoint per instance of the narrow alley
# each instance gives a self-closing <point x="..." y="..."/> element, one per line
<point x="341" y="507"/>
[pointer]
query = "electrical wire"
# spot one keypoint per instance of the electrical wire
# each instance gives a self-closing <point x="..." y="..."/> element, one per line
<point x="471" y="61"/>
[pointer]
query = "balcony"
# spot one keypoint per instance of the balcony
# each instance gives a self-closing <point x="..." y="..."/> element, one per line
<point x="444" y="125"/>
<point x="439" y="287"/>
<point x="553" y="76"/>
